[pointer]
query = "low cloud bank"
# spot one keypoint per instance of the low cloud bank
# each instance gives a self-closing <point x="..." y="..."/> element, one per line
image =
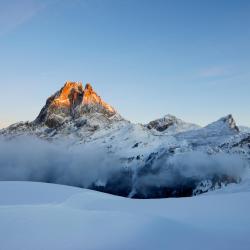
<point x="32" y="159"/>
<point x="195" y="164"/>
<point x="180" y="174"/>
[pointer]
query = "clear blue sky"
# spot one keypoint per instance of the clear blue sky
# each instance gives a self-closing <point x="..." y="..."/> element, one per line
<point x="145" y="58"/>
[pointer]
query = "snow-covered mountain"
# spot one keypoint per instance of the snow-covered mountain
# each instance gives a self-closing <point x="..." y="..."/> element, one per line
<point x="160" y="159"/>
<point x="72" y="103"/>
<point x="171" y="125"/>
<point x="73" y="111"/>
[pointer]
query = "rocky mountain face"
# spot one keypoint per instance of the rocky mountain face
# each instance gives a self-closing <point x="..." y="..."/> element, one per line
<point x="73" y="110"/>
<point x="165" y="158"/>
<point x="71" y="102"/>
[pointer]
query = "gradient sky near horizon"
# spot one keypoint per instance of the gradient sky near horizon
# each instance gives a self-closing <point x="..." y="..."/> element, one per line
<point x="147" y="58"/>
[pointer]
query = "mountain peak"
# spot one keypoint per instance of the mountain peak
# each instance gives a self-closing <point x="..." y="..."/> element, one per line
<point x="88" y="87"/>
<point x="171" y="124"/>
<point x="72" y="101"/>
<point x="231" y="122"/>
<point x="226" y="123"/>
<point x="67" y="95"/>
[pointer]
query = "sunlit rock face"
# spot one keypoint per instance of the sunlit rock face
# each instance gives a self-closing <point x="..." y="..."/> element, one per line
<point x="72" y="101"/>
<point x="69" y="96"/>
<point x="91" y="98"/>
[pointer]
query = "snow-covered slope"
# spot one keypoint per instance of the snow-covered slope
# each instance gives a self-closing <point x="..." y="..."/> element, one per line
<point x="244" y="129"/>
<point x="213" y="133"/>
<point x="48" y="216"/>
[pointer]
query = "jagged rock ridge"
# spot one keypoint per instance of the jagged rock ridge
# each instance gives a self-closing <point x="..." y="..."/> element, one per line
<point x="71" y="102"/>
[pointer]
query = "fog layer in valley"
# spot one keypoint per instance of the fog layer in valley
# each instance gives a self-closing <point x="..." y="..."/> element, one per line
<point x="32" y="159"/>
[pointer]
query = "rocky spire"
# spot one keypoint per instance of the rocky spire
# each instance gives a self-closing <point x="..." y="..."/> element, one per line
<point x="70" y="95"/>
<point x="90" y="97"/>
<point x="72" y="101"/>
<point x="229" y="120"/>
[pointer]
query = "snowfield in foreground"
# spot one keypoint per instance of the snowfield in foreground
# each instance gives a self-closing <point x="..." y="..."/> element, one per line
<point x="49" y="216"/>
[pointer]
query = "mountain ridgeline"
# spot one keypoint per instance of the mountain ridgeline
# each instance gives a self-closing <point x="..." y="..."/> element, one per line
<point x="165" y="158"/>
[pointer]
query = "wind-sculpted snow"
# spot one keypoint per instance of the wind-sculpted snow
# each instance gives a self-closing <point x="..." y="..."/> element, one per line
<point x="91" y="166"/>
<point x="39" y="216"/>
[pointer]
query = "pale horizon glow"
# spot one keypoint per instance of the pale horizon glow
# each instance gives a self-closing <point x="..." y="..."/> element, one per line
<point x="146" y="58"/>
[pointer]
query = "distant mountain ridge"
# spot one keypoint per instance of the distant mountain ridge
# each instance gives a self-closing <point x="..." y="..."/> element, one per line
<point x="170" y="123"/>
<point x="78" y="115"/>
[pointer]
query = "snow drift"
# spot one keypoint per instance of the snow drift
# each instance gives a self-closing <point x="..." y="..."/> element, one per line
<point x="45" y="216"/>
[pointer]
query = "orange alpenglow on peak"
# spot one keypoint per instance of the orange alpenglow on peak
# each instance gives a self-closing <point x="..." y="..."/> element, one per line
<point x="73" y="94"/>
<point x="90" y="97"/>
<point x="88" y="87"/>
<point x="72" y="100"/>
<point x="68" y="94"/>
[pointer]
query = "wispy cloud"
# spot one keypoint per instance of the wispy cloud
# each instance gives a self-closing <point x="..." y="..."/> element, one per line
<point x="212" y="72"/>
<point x="14" y="13"/>
<point x="226" y="75"/>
